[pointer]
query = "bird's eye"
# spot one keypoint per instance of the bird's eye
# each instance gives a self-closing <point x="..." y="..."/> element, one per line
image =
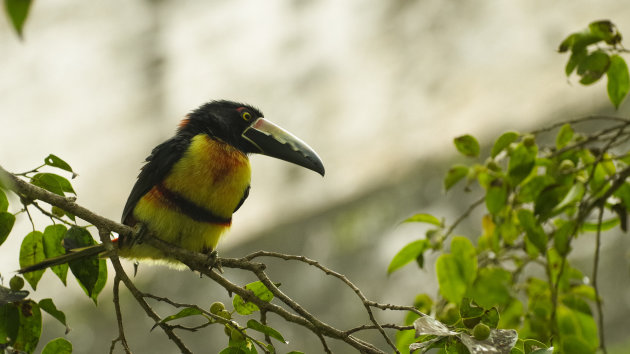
<point x="246" y="116"/>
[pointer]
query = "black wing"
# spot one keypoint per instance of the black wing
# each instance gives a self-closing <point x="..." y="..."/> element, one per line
<point x="245" y="195"/>
<point x="157" y="166"/>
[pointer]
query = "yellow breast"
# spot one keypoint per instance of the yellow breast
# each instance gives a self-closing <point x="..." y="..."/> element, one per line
<point x="212" y="175"/>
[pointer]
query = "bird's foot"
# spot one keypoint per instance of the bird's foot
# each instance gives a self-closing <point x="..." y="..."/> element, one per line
<point x="213" y="261"/>
<point x="139" y="232"/>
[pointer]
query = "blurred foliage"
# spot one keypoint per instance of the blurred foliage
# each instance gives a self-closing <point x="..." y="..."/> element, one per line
<point x="595" y="52"/>
<point x="538" y="200"/>
<point x="17" y="12"/>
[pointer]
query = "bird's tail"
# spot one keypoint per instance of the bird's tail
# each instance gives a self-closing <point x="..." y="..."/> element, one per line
<point x="72" y="255"/>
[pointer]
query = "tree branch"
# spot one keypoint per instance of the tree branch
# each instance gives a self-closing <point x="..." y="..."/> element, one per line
<point x="201" y="263"/>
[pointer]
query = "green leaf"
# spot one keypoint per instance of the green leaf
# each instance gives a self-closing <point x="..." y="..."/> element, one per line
<point x="465" y="252"/>
<point x="426" y="218"/>
<point x="534" y="232"/>
<point x="232" y="350"/>
<point x="585" y="291"/>
<point x="562" y="237"/>
<point x="491" y="317"/>
<point x="260" y="291"/>
<point x="100" y="281"/>
<point x="508" y="229"/>
<point x="492" y="287"/>
<point x="605" y="30"/>
<point x="17" y="10"/>
<point x="89" y="271"/>
<point x="467" y="145"/>
<point x="407" y="254"/>
<point x="593" y="67"/>
<point x="606" y="225"/>
<point x="522" y="161"/>
<point x="53" y="247"/>
<point x="574" y="60"/>
<point x="575" y="302"/>
<point x="496" y="196"/>
<point x="511" y="315"/>
<point x="565" y="134"/>
<point x="543" y="351"/>
<point x="452" y="284"/>
<point x="574" y="344"/>
<point x="52" y="183"/>
<point x="578" y="41"/>
<point x="6" y="225"/>
<point x="573" y="196"/>
<point x="55" y="161"/>
<point x="187" y="312"/>
<point x="58" y="346"/>
<point x="10" y="323"/>
<point x="454" y="175"/>
<point x="503" y="142"/>
<point x="533" y="186"/>
<point x="618" y="80"/>
<point x="457" y="270"/>
<point x="30" y="326"/>
<point x="548" y="199"/>
<point x="32" y="252"/>
<point x="4" y="202"/>
<point x="48" y="306"/>
<point x="470" y="309"/>
<point x="579" y="324"/>
<point x="531" y="344"/>
<point x="257" y="326"/>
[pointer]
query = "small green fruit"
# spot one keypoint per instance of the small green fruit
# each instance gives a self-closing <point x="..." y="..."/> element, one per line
<point x="481" y="331"/>
<point x="450" y="314"/>
<point x="529" y="140"/>
<point x="492" y="165"/>
<point x="224" y="314"/>
<point x="216" y="307"/>
<point x="566" y="166"/>
<point x="16" y="283"/>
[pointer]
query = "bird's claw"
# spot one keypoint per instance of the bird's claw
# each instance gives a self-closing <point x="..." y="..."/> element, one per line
<point x="139" y="231"/>
<point x="214" y="262"/>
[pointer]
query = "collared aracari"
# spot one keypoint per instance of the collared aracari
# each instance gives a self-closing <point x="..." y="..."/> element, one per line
<point x="193" y="182"/>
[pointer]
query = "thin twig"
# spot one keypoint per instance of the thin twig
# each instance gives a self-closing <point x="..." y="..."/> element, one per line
<point x="30" y="218"/>
<point x="579" y="120"/>
<point x="120" y="273"/>
<point x="52" y="216"/>
<point x="464" y="216"/>
<point x="386" y="325"/>
<point x="121" y="332"/>
<point x="598" y="300"/>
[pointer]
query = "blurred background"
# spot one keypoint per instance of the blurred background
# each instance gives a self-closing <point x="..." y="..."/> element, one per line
<point x="378" y="88"/>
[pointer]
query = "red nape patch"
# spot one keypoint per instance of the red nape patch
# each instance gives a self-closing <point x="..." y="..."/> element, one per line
<point x="183" y="123"/>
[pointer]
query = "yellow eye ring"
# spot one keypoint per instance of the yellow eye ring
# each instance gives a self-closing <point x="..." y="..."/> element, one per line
<point x="247" y="116"/>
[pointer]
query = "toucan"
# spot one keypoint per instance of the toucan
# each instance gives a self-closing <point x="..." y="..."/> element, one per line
<point x="192" y="183"/>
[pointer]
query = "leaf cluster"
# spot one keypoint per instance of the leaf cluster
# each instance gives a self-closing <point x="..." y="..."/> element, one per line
<point x="595" y="52"/>
<point x="538" y="199"/>
<point x="21" y="327"/>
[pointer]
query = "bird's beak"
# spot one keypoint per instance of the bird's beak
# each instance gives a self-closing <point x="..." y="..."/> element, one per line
<point x="276" y="142"/>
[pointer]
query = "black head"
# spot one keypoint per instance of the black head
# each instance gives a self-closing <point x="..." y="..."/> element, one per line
<point x="244" y="127"/>
<point x="223" y="120"/>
